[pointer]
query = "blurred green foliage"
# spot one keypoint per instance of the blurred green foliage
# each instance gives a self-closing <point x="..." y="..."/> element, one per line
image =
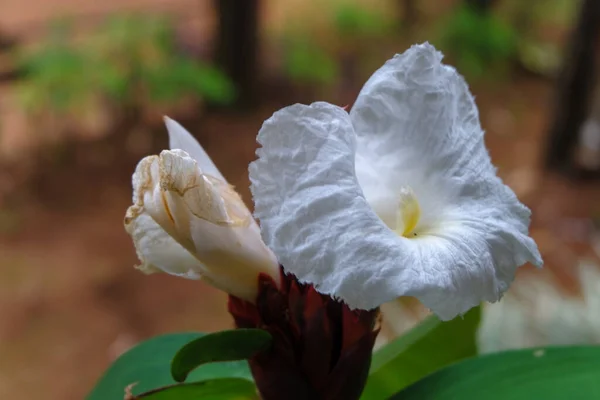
<point x="57" y="74"/>
<point x="307" y="63"/>
<point x="542" y="25"/>
<point x="316" y="58"/>
<point x="552" y="11"/>
<point x="130" y="60"/>
<point x="478" y="42"/>
<point x="540" y="57"/>
<point x="353" y="19"/>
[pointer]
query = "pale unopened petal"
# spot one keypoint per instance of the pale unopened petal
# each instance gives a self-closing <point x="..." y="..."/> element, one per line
<point x="157" y="250"/>
<point x="207" y="218"/>
<point x="180" y="138"/>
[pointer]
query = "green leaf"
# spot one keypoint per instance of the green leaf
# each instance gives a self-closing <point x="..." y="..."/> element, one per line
<point x="148" y="365"/>
<point x="236" y="344"/>
<point x="551" y="374"/>
<point x="216" y="389"/>
<point x="429" y="346"/>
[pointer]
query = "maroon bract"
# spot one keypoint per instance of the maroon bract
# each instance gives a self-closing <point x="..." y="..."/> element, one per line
<point x="321" y="349"/>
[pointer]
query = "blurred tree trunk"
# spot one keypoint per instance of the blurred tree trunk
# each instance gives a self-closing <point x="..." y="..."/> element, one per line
<point x="574" y="87"/>
<point x="480" y="5"/>
<point x="6" y="41"/>
<point x="409" y="12"/>
<point x="8" y="71"/>
<point x="237" y="46"/>
<point x="587" y="154"/>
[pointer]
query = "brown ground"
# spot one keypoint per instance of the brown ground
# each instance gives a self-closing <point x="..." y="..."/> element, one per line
<point x="70" y="301"/>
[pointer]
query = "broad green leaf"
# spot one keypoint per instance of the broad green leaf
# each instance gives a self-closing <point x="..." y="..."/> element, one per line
<point x="429" y="346"/>
<point x="148" y="364"/>
<point x="216" y="389"/>
<point x="231" y="345"/>
<point x="551" y="374"/>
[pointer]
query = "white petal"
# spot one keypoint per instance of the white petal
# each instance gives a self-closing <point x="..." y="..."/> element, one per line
<point x="157" y="250"/>
<point x="180" y="138"/>
<point x="315" y="218"/>
<point x="313" y="214"/>
<point x="418" y="126"/>
<point x="206" y="217"/>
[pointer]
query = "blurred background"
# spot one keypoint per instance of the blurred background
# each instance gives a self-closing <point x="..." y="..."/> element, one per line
<point x="83" y="88"/>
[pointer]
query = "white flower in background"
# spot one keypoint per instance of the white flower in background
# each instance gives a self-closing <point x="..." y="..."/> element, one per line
<point x="535" y="313"/>
<point x="396" y="198"/>
<point x="186" y="220"/>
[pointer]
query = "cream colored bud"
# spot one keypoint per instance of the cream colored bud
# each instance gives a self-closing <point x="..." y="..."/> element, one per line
<point x="189" y="223"/>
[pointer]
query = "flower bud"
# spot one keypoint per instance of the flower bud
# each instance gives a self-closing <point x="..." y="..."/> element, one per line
<point x="186" y="220"/>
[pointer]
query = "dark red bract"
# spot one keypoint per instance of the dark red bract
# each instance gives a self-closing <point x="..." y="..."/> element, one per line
<point x="321" y="349"/>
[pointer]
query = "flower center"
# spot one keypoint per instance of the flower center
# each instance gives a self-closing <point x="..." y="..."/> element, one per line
<point x="408" y="212"/>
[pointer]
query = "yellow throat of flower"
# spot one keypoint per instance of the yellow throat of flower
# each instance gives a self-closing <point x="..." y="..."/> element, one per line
<point x="408" y="213"/>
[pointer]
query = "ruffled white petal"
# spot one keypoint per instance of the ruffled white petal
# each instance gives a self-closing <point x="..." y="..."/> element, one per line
<point x="313" y="214"/>
<point x="417" y="126"/>
<point x="180" y="138"/>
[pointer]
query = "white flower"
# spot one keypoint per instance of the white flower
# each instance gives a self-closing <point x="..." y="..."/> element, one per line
<point x="536" y="313"/>
<point x="396" y="198"/>
<point x="186" y="220"/>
